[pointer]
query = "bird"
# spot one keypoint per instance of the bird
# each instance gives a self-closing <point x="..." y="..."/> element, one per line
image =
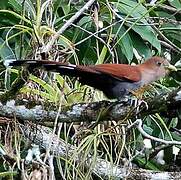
<point x="115" y="80"/>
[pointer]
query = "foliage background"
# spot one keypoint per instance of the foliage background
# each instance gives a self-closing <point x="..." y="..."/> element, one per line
<point x="111" y="31"/>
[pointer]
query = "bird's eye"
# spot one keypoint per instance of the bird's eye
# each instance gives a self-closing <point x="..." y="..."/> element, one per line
<point x="159" y="63"/>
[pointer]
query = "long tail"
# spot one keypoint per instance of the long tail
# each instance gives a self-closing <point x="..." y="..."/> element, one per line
<point x="86" y="74"/>
<point x="62" y="68"/>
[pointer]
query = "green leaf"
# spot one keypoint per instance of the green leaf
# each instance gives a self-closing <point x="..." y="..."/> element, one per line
<point x="45" y="85"/>
<point x="5" y="51"/>
<point x="8" y="173"/>
<point x="45" y="95"/>
<point x="102" y="55"/>
<point x="131" y="8"/>
<point x="142" y="49"/>
<point x="147" y="33"/>
<point x="148" y="129"/>
<point x="3" y="4"/>
<point x="126" y="44"/>
<point x="66" y="8"/>
<point x="149" y="165"/>
<point x="20" y="5"/>
<point x="62" y="83"/>
<point x="175" y="3"/>
<point x="14" y="15"/>
<point x="176" y="136"/>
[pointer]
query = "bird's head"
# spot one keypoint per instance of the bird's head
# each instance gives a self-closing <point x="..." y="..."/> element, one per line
<point x="155" y="68"/>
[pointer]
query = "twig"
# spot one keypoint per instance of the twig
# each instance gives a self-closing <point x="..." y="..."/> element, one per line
<point x="165" y="44"/>
<point x="101" y="30"/>
<point x="164" y="19"/>
<point x="111" y="52"/>
<point x="66" y="25"/>
<point x="166" y="8"/>
<point x="138" y="123"/>
<point x="166" y="39"/>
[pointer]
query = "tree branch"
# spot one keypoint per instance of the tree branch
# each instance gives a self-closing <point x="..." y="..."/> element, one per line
<point x="166" y="104"/>
<point x="44" y="138"/>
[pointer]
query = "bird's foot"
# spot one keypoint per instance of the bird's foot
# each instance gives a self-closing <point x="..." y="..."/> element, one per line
<point x="134" y="101"/>
<point x="140" y="103"/>
<point x="137" y="103"/>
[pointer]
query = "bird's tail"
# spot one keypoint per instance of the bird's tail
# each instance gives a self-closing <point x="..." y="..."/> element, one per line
<point x="62" y="68"/>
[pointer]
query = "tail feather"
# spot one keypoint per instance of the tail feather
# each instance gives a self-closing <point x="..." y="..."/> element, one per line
<point x="22" y="62"/>
<point x="62" y="68"/>
<point x="87" y="75"/>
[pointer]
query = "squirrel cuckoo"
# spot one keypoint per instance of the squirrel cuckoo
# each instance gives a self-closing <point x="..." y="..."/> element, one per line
<point x="115" y="80"/>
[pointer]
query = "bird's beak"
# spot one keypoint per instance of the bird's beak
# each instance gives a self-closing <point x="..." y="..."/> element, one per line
<point x="171" y="67"/>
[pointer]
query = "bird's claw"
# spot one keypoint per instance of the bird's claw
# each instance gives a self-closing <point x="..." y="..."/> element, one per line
<point x="141" y="101"/>
<point x="135" y="102"/>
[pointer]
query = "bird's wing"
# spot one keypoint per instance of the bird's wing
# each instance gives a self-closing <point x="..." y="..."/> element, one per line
<point x="119" y="71"/>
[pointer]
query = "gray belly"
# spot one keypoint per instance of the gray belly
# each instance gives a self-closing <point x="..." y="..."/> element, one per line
<point x="120" y="89"/>
<point x="111" y="86"/>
